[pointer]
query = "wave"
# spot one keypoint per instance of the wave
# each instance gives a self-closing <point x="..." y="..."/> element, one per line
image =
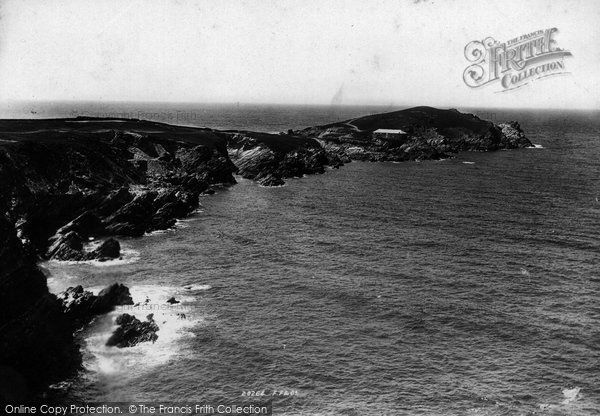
<point x="179" y="224"/>
<point x="185" y="223"/>
<point x="535" y="146"/>
<point x="128" y="256"/>
<point x="274" y="186"/>
<point x="570" y="395"/>
<point x="175" y="322"/>
<point x="159" y="232"/>
<point x="197" y="287"/>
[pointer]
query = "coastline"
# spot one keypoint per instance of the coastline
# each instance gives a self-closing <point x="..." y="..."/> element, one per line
<point x="131" y="177"/>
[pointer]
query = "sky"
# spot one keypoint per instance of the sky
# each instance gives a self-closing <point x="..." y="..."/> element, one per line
<point x="380" y="52"/>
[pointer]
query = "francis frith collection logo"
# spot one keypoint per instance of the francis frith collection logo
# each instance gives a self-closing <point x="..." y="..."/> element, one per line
<point x="516" y="62"/>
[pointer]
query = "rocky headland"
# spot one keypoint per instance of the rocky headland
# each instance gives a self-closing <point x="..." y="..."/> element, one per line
<point x="70" y="187"/>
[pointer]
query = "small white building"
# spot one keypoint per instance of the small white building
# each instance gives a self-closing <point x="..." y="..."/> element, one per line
<point x="388" y="134"/>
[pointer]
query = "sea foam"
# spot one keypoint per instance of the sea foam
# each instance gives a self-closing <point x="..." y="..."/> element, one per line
<point x="174" y="327"/>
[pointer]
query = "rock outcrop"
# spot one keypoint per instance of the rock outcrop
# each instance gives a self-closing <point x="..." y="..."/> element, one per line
<point x="172" y="300"/>
<point x="109" y="249"/>
<point x="132" y="331"/>
<point x="81" y="305"/>
<point x="513" y="136"/>
<point x="269" y="158"/>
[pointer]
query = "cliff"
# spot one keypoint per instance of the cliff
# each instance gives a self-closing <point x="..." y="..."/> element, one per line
<point x="430" y="134"/>
<point x="268" y="158"/>
<point x="98" y="178"/>
<point x="36" y="340"/>
<point x="62" y="182"/>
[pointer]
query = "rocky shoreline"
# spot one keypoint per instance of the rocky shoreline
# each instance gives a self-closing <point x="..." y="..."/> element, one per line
<point x="70" y="187"/>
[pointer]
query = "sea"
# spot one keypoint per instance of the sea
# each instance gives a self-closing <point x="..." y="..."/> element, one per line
<point x="465" y="286"/>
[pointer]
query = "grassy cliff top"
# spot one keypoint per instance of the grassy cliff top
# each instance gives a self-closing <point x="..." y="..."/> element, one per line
<point x="68" y="129"/>
<point x="423" y="117"/>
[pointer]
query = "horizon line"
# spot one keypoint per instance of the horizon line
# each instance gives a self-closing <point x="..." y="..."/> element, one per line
<point x="246" y="103"/>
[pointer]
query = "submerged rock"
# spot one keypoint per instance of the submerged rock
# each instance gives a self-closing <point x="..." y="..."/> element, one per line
<point x="132" y="331"/>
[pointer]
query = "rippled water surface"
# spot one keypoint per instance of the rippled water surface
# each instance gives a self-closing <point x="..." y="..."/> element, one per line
<point x="433" y="288"/>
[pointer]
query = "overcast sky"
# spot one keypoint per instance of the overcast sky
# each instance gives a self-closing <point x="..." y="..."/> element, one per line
<point x="397" y="52"/>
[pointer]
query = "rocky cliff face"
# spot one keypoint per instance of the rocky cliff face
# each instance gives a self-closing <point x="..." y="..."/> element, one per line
<point x="269" y="158"/>
<point x="36" y="341"/>
<point x="62" y="182"/>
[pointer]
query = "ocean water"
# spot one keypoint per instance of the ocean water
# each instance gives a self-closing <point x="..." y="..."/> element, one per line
<point x="467" y="286"/>
<point x="237" y="116"/>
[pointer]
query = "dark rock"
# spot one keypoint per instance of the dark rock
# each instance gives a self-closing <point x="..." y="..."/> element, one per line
<point x="118" y="139"/>
<point x="209" y="164"/>
<point x="78" y="303"/>
<point x="269" y="158"/>
<point x="125" y="228"/>
<point x="195" y="184"/>
<point x="164" y="197"/>
<point x="134" y="217"/>
<point x="132" y="331"/>
<point x="66" y="247"/>
<point x="172" y="300"/>
<point x="109" y="249"/>
<point x="114" y="295"/>
<point x="165" y="157"/>
<point x="69" y="247"/>
<point x="113" y="201"/>
<point x="140" y="164"/>
<point x="143" y="142"/>
<point x="82" y="305"/>
<point x="513" y="136"/>
<point x="270" y="180"/>
<point x="36" y="339"/>
<point x="85" y="225"/>
<point x="170" y="206"/>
